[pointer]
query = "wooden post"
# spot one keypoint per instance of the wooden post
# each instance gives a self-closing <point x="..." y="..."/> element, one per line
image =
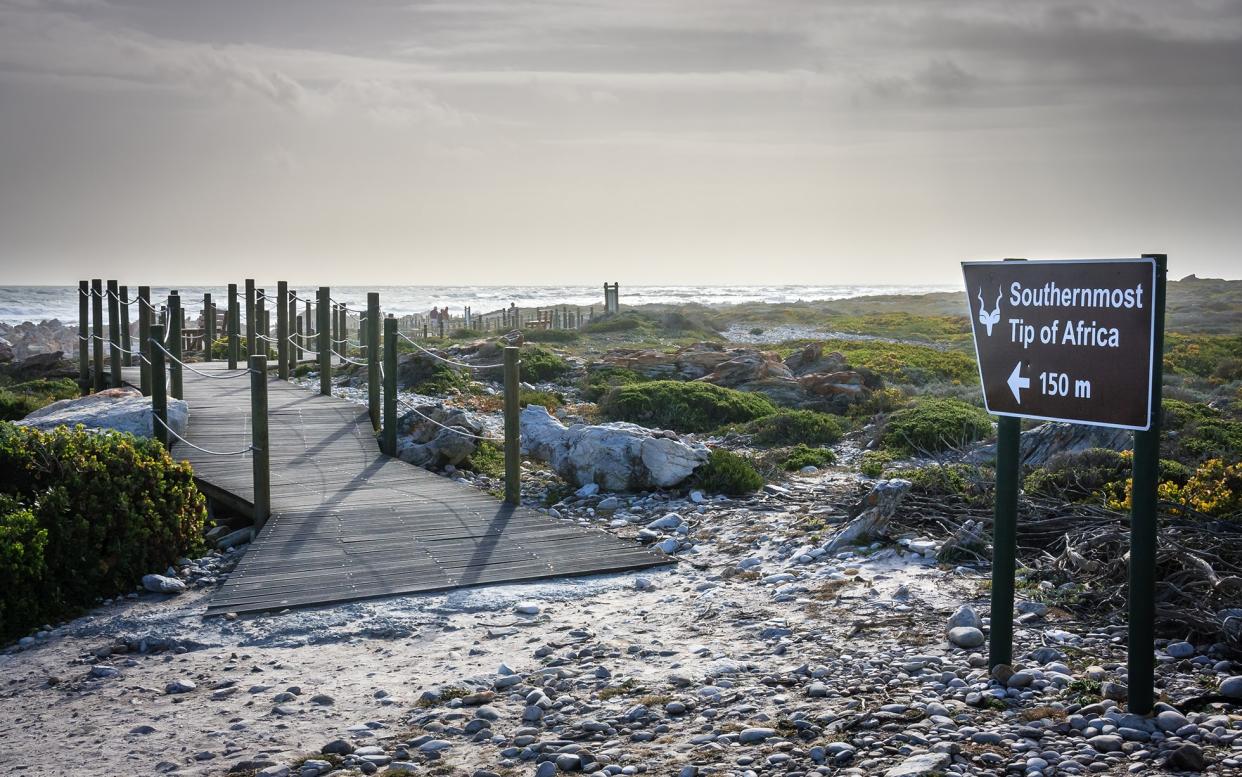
<point x="426" y="334"/>
<point x="371" y="337"/>
<point x="307" y="324"/>
<point x="97" y="332"/>
<point x="335" y="315"/>
<point x="260" y="317"/>
<point x="513" y="459"/>
<point x="144" y="335"/>
<point x="301" y="339"/>
<point x="250" y="320"/>
<point x="324" y="326"/>
<point x="260" y="460"/>
<point x="114" y="336"/>
<point x="389" y="437"/>
<point x="291" y="349"/>
<point x="442" y="326"/>
<point x="282" y="330"/>
<point x="84" y="334"/>
<point x="127" y="358"/>
<point x="233" y="315"/>
<point x="209" y="326"/>
<point x="174" y="344"/>
<point x="159" y="384"/>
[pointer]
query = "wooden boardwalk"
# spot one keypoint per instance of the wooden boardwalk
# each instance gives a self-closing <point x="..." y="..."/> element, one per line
<point x="350" y="523"/>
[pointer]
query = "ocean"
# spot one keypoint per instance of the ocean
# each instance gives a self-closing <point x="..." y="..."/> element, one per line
<point x="37" y="303"/>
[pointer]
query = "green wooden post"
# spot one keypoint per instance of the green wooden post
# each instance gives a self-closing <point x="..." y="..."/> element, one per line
<point x="231" y="323"/>
<point x="370" y="336"/>
<point x="291" y="317"/>
<point x="144" y="336"/>
<point x="261" y="463"/>
<point x="127" y="359"/>
<point x="324" y="312"/>
<point x="84" y="334"/>
<point x="260" y="322"/>
<point x="209" y="326"/>
<point x="1004" y="540"/>
<point x="250" y="319"/>
<point x="159" y="384"/>
<point x="335" y="320"/>
<point x="282" y="330"/>
<point x="1140" y="661"/>
<point x="513" y="458"/>
<point x="114" y="336"/>
<point x="174" y="344"/>
<point x="301" y="339"/>
<point x="307" y="323"/>
<point x="390" y="387"/>
<point x="97" y="332"/>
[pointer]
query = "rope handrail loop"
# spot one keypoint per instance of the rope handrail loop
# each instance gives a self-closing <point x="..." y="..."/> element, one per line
<point x="238" y="374"/>
<point x="349" y="360"/>
<point x="452" y="429"/>
<point x="169" y="429"/>
<point x="463" y="365"/>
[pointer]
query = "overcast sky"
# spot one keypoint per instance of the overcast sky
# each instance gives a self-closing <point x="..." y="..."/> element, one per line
<point x="644" y="141"/>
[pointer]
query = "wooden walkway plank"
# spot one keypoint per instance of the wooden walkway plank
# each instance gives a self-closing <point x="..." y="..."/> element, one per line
<point x="350" y="523"/>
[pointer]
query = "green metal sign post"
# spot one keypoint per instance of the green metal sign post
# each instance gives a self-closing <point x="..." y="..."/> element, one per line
<point x="1079" y="341"/>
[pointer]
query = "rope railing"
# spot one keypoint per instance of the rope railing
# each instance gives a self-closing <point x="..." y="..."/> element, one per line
<point x="170" y="430"/>
<point x="238" y="374"/>
<point x="348" y="360"/>
<point x="452" y="429"/>
<point x="463" y="365"/>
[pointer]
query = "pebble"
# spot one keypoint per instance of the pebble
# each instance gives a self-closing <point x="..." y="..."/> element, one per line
<point x="1232" y="687"/>
<point x="966" y="637"/>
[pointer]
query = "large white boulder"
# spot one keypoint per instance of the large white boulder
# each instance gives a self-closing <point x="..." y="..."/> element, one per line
<point x="616" y="456"/>
<point x="120" y="409"/>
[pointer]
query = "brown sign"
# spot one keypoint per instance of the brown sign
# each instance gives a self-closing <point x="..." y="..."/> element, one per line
<point x="1065" y="340"/>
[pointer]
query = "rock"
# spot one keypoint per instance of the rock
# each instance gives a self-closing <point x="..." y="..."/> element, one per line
<point x="1180" y="649"/>
<point x="1114" y="691"/>
<point x="745" y="367"/>
<point x="425" y="442"/>
<point x="160" y="584"/>
<point x="180" y="686"/>
<point x="872" y="514"/>
<point x="966" y="637"/>
<point x="964" y="616"/>
<point x="1106" y="743"/>
<point x="846" y="383"/>
<point x="120" y="409"/>
<point x="1187" y="758"/>
<point x="101" y="671"/>
<point x="527" y="608"/>
<point x="34" y="366"/>
<point x="1232" y="687"/>
<point x="1170" y="720"/>
<point x="235" y="538"/>
<point x="751" y="735"/>
<point x="1040" y="444"/>
<point x="617" y="456"/>
<point x="920" y="765"/>
<point x="590" y="489"/>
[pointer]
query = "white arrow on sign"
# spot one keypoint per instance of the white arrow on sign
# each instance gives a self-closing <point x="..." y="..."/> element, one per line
<point x="1017" y="382"/>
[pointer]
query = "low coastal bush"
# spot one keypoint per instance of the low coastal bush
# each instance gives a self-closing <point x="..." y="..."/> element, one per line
<point x="443" y="379"/>
<point x="728" y="473"/>
<point x="792" y="427"/>
<point x="1078" y="476"/>
<point x="803" y="455"/>
<point x="1218" y="358"/>
<point x="601" y="380"/>
<point x="1214" y="488"/>
<point x="931" y="425"/>
<point x="532" y="397"/>
<point x="551" y="336"/>
<point x="972" y="483"/>
<point x="540" y="364"/>
<point x="22" y="568"/>
<point x="220" y="348"/>
<point x="906" y="363"/>
<point x="621" y="322"/>
<point x="114" y="507"/>
<point x="487" y="459"/>
<point x="684" y="406"/>
<point x="1194" y="432"/>
<point x="22" y="399"/>
<point x="872" y="463"/>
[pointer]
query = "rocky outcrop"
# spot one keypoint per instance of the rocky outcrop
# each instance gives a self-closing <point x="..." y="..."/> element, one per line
<point x="813" y="359"/>
<point x="44" y="365"/>
<point x="120" y="409"/>
<point x="434" y="442"/>
<point x="872" y="514"/>
<point x="30" y="339"/>
<point x="1040" y="444"/>
<point x="616" y="456"/>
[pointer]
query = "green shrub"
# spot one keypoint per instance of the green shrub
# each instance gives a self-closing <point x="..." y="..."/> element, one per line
<point x="790" y="427"/>
<point x="551" y="335"/>
<point x="728" y="473"/>
<point x="1201" y="355"/>
<point x="114" y="506"/>
<point x="443" y="379"/>
<point x="541" y="365"/>
<point x="546" y="398"/>
<point x="1078" y="476"/>
<point x="22" y="569"/>
<point x="964" y="480"/>
<point x="872" y="463"/>
<point x="487" y="459"/>
<point x="907" y="363"/>
<point x="801" y="456"/>
<point x="622" y="322"/>
<point x="1195" y="432"/>
<point x="931" y="425"/>
<point x="465" y="334"/>
<point x="22" y="399"/>
<point x="600" y="380"/>
<point x="685" y="407"/>
<point x="220" y="348"/>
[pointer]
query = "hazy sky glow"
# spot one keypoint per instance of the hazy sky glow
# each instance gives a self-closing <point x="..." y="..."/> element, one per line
<point x="645" y="141"/>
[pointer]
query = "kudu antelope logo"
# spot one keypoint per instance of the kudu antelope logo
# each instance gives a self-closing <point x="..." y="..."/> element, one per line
<point x="989" y="318"/>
